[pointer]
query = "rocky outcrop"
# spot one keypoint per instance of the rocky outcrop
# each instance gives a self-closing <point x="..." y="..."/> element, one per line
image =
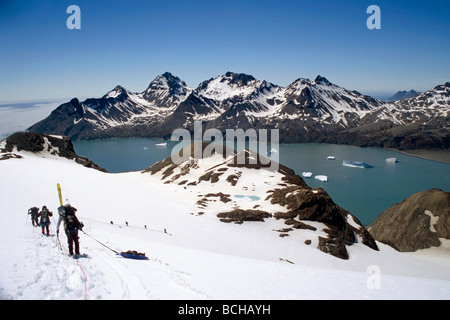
<point x="239" y="215"/>
<point x="41" y="143"/>
<point x="306" y="204"/>
<point x="280" y="194"/>
<point x="418" y="222"/>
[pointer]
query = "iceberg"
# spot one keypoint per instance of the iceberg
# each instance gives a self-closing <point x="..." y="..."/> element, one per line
<point x="321" y="178"/>
<point x="331" y="157"/>
<point x="391" y="160"/>
<point x="356" y="164"/>
<point x="307" y="174"/>
<point x="164" y="144"/>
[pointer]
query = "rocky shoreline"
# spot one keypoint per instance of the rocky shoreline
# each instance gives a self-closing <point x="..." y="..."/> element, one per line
<point x="442" y="155"/>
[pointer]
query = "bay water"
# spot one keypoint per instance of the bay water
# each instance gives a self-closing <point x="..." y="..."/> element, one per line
<point x="363" y="192"/>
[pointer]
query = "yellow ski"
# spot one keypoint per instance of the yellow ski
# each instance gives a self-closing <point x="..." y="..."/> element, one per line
<point x="58" y="186"/>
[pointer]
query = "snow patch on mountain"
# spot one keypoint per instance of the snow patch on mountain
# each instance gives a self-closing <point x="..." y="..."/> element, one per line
<point x="422" y="108"/>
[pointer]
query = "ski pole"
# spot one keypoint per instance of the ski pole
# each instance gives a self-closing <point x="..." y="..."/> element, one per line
<point x="58" y="242"/>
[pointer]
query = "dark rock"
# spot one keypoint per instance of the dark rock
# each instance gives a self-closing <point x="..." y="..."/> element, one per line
<point x="299" y="225"/>
<point x="415" y="223"/>
<point x="333" y="247"/>
<point x="222" y="196"/>
<point x="305" y="203"/>
<point x="240" y="215"/>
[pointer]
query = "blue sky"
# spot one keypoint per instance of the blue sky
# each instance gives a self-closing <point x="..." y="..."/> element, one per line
<point x="130" y="42"/>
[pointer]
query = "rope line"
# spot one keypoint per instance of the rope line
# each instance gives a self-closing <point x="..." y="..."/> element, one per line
<point x="60" y="247"/>
<point x="85" y="280"/>
<point x="99" y="242"/>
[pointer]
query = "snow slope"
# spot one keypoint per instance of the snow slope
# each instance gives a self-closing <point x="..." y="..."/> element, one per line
<point x="198" y="257"/>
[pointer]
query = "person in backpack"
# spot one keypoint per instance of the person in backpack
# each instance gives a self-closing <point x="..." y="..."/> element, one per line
<point x="45" y="215"/>
<point x="34" y="215"/>
<point x="71" y="227"/>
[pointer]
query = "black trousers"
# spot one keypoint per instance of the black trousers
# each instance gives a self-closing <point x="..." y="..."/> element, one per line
<point x="71" y="240"/>
<point x="34" y="220"/>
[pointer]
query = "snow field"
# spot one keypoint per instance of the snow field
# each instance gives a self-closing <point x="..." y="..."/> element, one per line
<point x="198" y="258"/>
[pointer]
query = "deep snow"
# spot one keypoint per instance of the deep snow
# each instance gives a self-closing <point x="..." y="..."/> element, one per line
<point x="198" y="257"/>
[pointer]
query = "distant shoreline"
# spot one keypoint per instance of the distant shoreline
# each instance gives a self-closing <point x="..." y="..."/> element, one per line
<point x="435" y="155"/>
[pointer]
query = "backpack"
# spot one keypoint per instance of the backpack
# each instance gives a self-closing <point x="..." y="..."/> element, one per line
<point x="33" y="211"/>
<point x="45" y="214"/>
<point x="71" y="222"/>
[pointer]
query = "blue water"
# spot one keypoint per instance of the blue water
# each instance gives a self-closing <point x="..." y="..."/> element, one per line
<point x="253" y="198"/>
<point x="364" y="192"/>
<point x="121" y="155"/>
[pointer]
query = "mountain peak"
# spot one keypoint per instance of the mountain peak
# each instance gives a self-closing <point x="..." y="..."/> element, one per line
<point x="322" y="80"/>
<point x="166" y="80"/>
<point x="117" y="91"/>
<point x="228" y="86"/>
<point x="442" y="87"/>
<point x="240" y="79"/>
<point x="166" y="86"/>
<point x="168" y="75"/>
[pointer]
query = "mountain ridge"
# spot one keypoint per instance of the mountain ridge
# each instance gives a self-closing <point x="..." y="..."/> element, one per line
<point x="403" y="94"/>
<point x="304" y="111"/>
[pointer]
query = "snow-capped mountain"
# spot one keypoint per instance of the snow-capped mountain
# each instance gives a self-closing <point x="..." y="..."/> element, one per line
<point x="304" y="111"/>
<point x="425" y="107"/>
<point x="239" y="100"/>
<point x="325" y="102"/>
<point x="420" y="122"/>
<point x="226" y="101"/>
<point x="166" y="91"/>
<point x="119" y="113"/>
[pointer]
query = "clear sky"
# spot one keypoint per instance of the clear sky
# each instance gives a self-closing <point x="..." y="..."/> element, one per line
<point x="130" y="42"/>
